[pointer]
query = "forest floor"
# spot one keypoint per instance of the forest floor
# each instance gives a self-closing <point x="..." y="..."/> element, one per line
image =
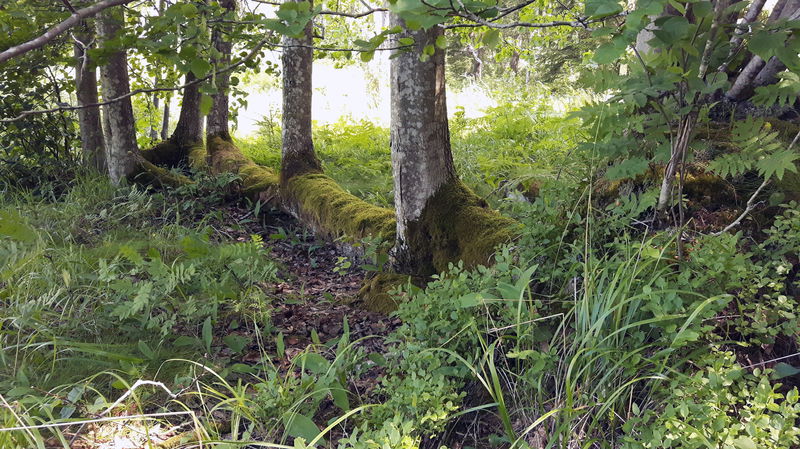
<point x="314" y="304"/>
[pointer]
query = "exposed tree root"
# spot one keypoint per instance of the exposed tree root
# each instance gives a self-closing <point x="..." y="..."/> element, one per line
<point x="150" y="173"/>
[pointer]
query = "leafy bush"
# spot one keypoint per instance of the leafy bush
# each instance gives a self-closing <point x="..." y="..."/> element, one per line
<point x="721" y="405"/>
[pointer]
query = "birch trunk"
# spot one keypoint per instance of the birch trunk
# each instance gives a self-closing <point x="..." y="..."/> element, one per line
<point x="297" y="148"/>
<point x="115" y="83"/>
<point x="422" y="161"/>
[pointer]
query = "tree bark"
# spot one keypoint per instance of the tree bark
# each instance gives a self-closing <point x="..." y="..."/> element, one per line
<point x="217" y="121"/>
<point x="154" y="124"/>
<point x="297" y="149"/>
<point x="743" y="87"/>
<point x="189" y="129"/>
<point x="736" y="40"/>
<point x="422" y="161"/>
<point x="91" y="128"/>
<point x="165" y="120"/>
<point x="114" y="78"/>
<point x="769" y="73"/>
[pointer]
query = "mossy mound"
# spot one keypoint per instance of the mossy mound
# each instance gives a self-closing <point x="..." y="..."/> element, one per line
<point x="332" y="212"/>
<point x="374" y="294"/>
<point x="457" y="225"/>
<point x="259" y="183"/>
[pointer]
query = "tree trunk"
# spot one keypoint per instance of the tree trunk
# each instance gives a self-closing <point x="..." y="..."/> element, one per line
<point x="189" y="129"/>
<point x="297" y="149"/>
<point x="736" y="40"/>
<point x="438" y="220"/>
<point x="217" y="121"/>
<point x="92" y="141"/>
<point x="769" y="73"/>
<point x="165" y="120"/>
<point x="114" y="78"/>
<point x="154" y="123"/>
<point x="745" y="84"/>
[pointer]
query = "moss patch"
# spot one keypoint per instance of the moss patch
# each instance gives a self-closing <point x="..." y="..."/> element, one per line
<point x="333" y="212"/>
<point x="457" y="225"/>
<point x="198" y="157"/>
<point x="149" y="173"/>
<point x="374" y="294"/>
<point x="259" y="183"/>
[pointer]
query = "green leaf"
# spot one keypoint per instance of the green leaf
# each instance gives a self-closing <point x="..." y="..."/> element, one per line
<point x="629" y="168"/>
<point x="491" y="38"/>
<point x="470" y="300"/>
<point x="144" y="349"/>
<point x="207" y="335"/>
<point x="744" y="443"/>
<point x="602" y="8"/>
<point x="339" y="395"/>
<point x="366" y="56"/>
<point x="301" y="426"/>
<point x="235" y="342"/>
<point x="785" y="370"/>
<point x="441" y="42"/>
<point x="765" y="43"/>
<point x="313" y="362"/>
<point x="205" y="104"/>
<point x="406" y="41"/>
<point x="671" y="29"/>
<point x="608" y="52"/>
<point x="777" y="163"/>
<point x="12" y="225"/>
<point x="280" y="346"/>
<point x="200" y="67"/>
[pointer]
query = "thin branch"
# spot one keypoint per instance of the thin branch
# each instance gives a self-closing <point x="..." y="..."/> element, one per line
<point x="580" y="23"/>
<point x="69" y="6"/>
<point x="57" y="30"/>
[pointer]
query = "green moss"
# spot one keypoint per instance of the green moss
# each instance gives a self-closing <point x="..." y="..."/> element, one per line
<point x="258" y="182"/>
<point x="197" y="157"/>
<point x="335" y="213"/>
<point x="457" y="225"/>
<point x="374" y="294"/>
<point x="151" y="174"/>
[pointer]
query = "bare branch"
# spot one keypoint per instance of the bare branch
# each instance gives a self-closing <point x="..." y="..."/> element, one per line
<point x="355" y="15"/>
<point x="57" y="30"/>
<point x="580" y="23"/>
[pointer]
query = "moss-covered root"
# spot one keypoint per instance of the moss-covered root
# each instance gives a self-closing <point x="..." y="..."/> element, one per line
<point x="260" y="183"/>
<point x="170" y="154"/>
<point x="149" y="173"/>
<point x="374" y="294"/>
<point x="456" y="225"/>
<point x="331" y="212"/>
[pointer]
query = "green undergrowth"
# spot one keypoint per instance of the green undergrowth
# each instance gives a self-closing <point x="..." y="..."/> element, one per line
<point x="511" y="147"/>
<point x="116" y="279"/>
